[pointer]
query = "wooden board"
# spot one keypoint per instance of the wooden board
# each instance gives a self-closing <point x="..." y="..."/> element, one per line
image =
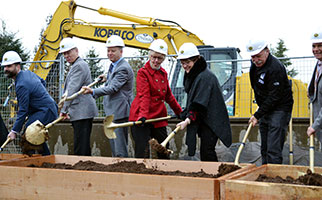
<point x="9" y="156"/>
<point x="21" y="182"/>
<point x="244" y="186"/>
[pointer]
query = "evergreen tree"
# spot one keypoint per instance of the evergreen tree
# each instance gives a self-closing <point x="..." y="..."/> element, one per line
<point x="8" y="42"/>
<point x="137" y="63"/>
<point x="94" y="63"/>
<point x="279" y="52"/>
<point x="96" y="70"/>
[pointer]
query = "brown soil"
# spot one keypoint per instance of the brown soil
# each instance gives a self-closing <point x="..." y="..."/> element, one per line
<point x="28" y="148"/>
<point x="134" y="167"/>
<point x="308" y="179"/>
<point x="160" y="150"/>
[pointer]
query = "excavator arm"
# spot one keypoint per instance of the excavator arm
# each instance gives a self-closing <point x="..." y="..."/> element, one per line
<point x="139" y="34"/>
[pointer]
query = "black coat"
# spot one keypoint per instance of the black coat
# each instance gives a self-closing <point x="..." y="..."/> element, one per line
<point x="205" y="98"/>
<point x="271" y="87"/>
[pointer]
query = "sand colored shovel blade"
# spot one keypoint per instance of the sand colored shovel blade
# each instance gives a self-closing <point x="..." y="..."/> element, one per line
<point x="109" y="132"/>
<point x="36" y="133"/>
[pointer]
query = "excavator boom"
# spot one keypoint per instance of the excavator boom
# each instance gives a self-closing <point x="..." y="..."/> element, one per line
<point x="139" y="34"/>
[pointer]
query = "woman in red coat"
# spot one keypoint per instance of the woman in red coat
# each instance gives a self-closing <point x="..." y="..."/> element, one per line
<point x="153" y="91"/>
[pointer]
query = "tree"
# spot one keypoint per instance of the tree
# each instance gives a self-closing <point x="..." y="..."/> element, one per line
<point x="93" y="62"/>
<point x="8" y="42"/>
<point x="137" y="63"/>
<point x="96" y="70"/>
<point x="279" y="52"/>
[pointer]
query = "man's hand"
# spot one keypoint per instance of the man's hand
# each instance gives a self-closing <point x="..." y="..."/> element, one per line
<point x="253" y="120"/>
<point x="64" y="115"/>
<point x="310" y="131"/>
<point x="87" y="90"/>
<point x="103" y="78"/>
<point x="184" y="123"/>
<point x="12" y="135"/>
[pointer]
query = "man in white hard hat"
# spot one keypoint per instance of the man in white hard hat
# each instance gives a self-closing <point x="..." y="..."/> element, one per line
<point x="273" y="95"/>
<point x="81" y="110"/>
<point x="315" y="86"/>
<point x="205" y="114"/>
<point x="117" y="92"/>
<point x="34" y="101"/>
<point x="152" y="91"/>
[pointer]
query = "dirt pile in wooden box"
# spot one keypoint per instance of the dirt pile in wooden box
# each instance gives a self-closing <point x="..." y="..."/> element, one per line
<point x="134" y="167"/>
<point x="308" y="179"/>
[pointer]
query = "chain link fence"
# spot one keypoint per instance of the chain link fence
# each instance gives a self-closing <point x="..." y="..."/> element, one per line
<point x="222" y="68"/>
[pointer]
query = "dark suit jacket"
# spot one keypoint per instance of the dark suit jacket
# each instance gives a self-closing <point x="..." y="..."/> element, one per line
<point x="33" y="100"/>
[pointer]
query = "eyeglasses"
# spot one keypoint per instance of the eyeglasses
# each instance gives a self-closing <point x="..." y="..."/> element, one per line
<point x="157" y="57"/>
<point x="185" y="62"/>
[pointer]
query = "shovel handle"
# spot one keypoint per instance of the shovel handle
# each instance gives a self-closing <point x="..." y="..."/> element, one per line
<point x="126" y="124"/>
<point x="54" y="122"/>
<point x="170" y="136"/>
<point x="5" y="143"/>
<point x="311" y="141"/>
<point x="83" y="90"/>
<point x="242" y="144"/>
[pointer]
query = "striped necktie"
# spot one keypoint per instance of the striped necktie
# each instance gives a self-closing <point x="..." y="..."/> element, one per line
<point x="317" y="73"/>
<point x="110" y="70"/>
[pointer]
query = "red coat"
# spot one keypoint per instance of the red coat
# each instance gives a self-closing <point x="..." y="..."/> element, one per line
<point x="152" y="90"/>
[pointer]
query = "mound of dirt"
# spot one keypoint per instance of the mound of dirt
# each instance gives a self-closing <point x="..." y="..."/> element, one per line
<point x="308" y="179"/>
<point x="134" y="167"/>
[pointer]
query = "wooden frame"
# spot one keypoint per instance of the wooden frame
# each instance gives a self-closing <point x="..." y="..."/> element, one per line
<point x="21" y="182"/>
<point x="244" y="186"/>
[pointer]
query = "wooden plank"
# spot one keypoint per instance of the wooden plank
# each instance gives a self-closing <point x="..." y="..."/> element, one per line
<point x="244" y="183"/>
<point x="39" y="183"/>
<point x="9" y="156"/>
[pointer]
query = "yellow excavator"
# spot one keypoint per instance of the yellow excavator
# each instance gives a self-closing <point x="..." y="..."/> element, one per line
<point x="139" y="34"/>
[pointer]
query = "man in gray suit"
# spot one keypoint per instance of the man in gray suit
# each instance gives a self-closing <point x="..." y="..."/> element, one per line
<point x="315" y="87"/>
<point x="118" y="93"/>
<point x="82" y="109"/>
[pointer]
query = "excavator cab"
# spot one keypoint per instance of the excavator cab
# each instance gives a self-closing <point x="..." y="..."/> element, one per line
<point x="222" y="62"/>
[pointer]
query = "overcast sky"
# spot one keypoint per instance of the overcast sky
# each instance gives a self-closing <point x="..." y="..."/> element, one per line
<point x="219" y="23"/>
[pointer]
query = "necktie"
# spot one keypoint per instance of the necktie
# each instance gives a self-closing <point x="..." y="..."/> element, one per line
<point x="318" y="73"/>
<point x="110" y="70"/>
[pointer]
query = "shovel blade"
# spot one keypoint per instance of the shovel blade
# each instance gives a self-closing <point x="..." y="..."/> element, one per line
<point x="36" y="133"/>
<point x="109" y="132"/>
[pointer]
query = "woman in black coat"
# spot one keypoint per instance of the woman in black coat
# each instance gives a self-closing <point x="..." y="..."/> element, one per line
<point x="206" y="112"/>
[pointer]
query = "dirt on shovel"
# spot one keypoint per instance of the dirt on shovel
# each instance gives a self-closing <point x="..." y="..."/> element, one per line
<point x="309" y="178"/>
<point x="28" y="148"/>
<point x="134" y="167"/>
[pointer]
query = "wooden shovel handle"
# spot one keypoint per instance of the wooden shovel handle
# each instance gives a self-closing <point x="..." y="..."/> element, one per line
<point x="170" y="136"/>
<point x="54" y="122"/>
<point x="311" y="151"/>
<point x="242" y="144"/>
<point x="5" y="143"/>
<point x="126" y="124"/>
<point x="82" y="90"/>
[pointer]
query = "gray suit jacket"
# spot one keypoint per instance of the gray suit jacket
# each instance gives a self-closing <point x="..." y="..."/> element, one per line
<point x="316" y="99"/>
<point x="118" y="91"/>
<point x="83" y="106"/>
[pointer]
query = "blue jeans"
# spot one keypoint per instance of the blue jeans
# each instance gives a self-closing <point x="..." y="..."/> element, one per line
<point x="119" y="144"/>
<point x="273" y="128"/>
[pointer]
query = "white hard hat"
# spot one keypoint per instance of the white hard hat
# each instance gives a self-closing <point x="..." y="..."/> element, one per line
<point x="256" y="46"/>
<point x="159" y="46"/>
<point x="10" y="57"/>
<point x="67" y="44"/>
<point x="115" y="41"/>
<point x="188" y="50"/>
<point x="317" y="36"/>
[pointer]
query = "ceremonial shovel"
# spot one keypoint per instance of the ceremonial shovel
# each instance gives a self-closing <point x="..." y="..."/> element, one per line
<point x="36" y="133"/>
